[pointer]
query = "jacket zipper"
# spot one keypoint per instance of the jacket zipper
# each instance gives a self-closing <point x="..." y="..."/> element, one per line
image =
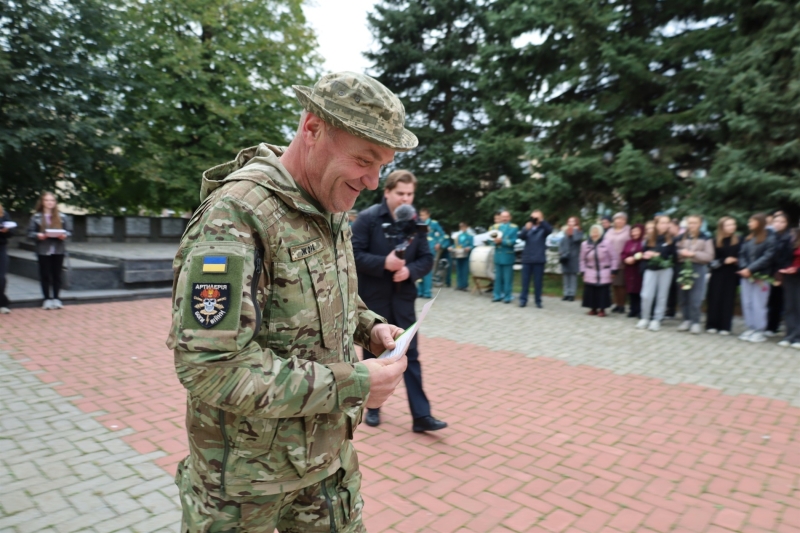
<point x="254" y="291"/>
<point x="226" y="449"/>
<point x="330" y="506"/>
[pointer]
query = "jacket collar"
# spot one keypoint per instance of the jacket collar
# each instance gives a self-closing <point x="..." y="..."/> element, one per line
<point x="260" y="164"/>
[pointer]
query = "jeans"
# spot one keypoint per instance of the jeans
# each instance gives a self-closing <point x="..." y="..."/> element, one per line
<point x="655" y="287"/>
<point x="636" y="304"/>
<point x="570" y="284"/>
<point x="50" y="274"/>
<point x="503" y="280"/>
<point x="691" y="301"/>
<point x="754" y="304"/>
<point x="537" y="271"/>
<point x="462" y="273"/>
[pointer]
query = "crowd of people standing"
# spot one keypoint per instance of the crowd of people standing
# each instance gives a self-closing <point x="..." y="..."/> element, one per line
<point x="652" y="270"/>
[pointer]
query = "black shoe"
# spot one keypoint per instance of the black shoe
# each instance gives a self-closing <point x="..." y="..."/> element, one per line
<point x="565" y="299"/>
<point x="523" y="304"/>
<point x="497" y="300"/>
<point x="428" y="423"/>
<point x="373" y="418"/>
<point x="538" y="305"/>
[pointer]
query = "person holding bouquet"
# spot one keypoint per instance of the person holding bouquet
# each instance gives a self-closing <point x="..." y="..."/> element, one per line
<point x="724" y="281"/>
<point x="632" y="260"/>
<point x="658" y="256"/>
<point x="569" y="250"/>
<point x="755" y="264"/>
<point x="696" y="249"/>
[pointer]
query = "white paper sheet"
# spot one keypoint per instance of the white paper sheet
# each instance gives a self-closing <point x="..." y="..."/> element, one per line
<point x="9" y="224"/>
<point x="403" y="341"/>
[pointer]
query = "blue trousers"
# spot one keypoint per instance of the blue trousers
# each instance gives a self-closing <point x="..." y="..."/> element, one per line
<point x="503" y="279"/>
<point x="462" y="273"/>
<point x="537" y="271"/>
<point x="425" y="286"/>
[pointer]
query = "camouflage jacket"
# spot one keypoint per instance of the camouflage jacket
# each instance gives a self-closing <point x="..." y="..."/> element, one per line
<point x="265" y="312"/>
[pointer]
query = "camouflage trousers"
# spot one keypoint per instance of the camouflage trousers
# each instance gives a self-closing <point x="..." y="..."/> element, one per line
<point x="323" y="507"/>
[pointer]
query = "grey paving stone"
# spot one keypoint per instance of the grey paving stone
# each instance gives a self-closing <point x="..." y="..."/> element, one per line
<point x="562" y="330"/>
<point x="62" y="471"/>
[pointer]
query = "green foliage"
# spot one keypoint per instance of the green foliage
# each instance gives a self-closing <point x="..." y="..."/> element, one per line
<point x="428" y="56"/>
<point x="204" y="79"/>
<point x="754" y="93"/>
<point x="56" y="92"/>
<point x="608" y="93"/>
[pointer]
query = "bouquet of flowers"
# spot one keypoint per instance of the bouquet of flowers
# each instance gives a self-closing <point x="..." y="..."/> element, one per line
<point x="687" y="276"/>
<point x="762" y="278"/>
<point x="659" y="262"/>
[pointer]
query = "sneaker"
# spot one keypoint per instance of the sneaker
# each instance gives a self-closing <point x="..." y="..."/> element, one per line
<point x="712" y="331"/>
<point x="57" y="304"/>
<point x="655" y="325"/>
<point x="47" y="305"/>
<point x="784" y="343"/>
<point x="746" y="335"/>
<point x="4" y="310"/>
<point x="758" y="336"/>
<point x="642" y="323"/>
<point x="724" y="332"/>
<point x="769" y="333"/>
<point x="696" y="329"/>
<point x="684" y="326"/>
<point x="796" y="345"/>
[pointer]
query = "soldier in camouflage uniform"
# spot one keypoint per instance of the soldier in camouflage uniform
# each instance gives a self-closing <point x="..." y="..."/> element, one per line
<point x="264" y="318"/>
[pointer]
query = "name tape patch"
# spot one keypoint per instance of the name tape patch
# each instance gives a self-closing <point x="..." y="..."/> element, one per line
<point x="215" y="264"/>
<point x="301" y="251"/>
<point x="213" y="302"/>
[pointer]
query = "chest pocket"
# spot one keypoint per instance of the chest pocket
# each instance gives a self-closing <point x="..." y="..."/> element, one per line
<point x="300" y="310"/>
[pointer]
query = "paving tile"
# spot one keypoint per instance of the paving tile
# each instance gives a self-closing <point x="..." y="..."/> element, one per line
<point x="580" y="434"/>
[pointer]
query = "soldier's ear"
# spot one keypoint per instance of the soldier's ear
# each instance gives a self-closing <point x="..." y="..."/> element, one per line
<point x="312" y="129"/>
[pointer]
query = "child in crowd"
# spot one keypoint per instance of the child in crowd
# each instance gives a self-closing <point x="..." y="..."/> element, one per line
<point x="755" y="264"/>
<point x="659" y="257"/>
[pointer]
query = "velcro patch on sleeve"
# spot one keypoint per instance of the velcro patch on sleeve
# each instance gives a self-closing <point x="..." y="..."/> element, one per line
<point x="307" y="249"/>
<point x="213" y="298"/>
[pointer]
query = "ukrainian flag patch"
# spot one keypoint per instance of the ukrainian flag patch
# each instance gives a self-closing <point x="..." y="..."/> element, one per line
<point x="215" y="264"/>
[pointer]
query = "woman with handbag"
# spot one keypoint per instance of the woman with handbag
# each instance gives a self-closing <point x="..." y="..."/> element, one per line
<point x="632" y="259"/>
<point x="569" y="250"/>
<point x="598" y="264"/>
<point x="724" y="281"/>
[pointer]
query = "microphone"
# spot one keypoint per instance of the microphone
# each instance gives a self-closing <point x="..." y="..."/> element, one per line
<point x="404" y="213"/>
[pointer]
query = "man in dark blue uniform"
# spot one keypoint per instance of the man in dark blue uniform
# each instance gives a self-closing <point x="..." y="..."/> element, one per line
<point x="386" y="284"/>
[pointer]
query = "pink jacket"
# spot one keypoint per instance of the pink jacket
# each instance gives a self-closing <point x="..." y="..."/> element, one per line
<point x="617" y="239"/>
<point x="597" y="261"/>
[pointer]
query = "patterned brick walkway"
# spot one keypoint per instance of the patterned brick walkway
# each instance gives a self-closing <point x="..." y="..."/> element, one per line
<point x="534" y="445"/>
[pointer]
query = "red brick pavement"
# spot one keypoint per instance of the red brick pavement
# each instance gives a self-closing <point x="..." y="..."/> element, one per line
<point x="534" y="445"/>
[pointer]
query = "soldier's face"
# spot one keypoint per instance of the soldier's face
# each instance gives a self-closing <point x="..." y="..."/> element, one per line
<point x="344" y="166"/>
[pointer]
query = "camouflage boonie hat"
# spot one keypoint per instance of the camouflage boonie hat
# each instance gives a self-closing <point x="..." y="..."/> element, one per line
<point x="360" y="105"/>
